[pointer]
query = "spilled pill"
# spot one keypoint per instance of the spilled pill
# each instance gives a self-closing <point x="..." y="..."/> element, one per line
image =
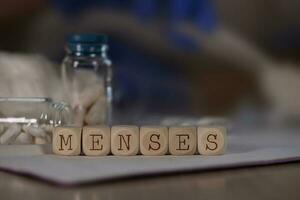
<point x="10" y="135"/>
<point x="24" y="138"/>
<point x="35" y="132"/>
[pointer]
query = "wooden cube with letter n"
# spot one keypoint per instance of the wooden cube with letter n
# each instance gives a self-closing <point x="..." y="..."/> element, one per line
<point x="212" y="140"/>
<point x="96" y="140"/>
<point x="66" y="141"/>
<point x="125" y="140"/>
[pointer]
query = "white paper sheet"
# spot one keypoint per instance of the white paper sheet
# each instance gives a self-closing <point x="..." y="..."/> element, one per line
<point x="245" y="148"/>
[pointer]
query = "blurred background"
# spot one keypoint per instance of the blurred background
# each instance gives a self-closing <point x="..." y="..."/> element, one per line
<point x="233" y="58"/>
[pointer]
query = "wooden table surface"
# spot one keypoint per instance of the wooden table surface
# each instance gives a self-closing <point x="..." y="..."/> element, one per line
<point x="269" y="182"/>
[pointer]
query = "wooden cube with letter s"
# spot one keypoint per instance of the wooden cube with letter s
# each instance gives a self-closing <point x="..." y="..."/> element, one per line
<point x="212" y="140"/>
<point x="154" y="140"/>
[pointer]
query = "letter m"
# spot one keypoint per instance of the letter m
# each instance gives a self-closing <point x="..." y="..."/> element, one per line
<point x="65" y="142"/>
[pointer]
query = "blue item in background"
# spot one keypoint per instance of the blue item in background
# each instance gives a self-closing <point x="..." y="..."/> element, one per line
<point x="145" y="10"/>
<point x="146" y="84"/>
<point x="143" y="81"/>
<point x="87" y="43"/>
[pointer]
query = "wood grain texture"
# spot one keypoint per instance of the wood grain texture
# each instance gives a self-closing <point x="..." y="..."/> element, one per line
<point x="182" y="140"/>
<point x="125" y="140"/>
<point x="154" y="140"/>
<point x="66" y="141"/>
<point x="212" y="140"/>
<point x="96" y="140"/>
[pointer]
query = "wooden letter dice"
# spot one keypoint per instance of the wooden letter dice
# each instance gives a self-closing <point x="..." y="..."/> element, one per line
<point x="154" y="140"/>
<point x="212" y="140"/>
<point x="96" y="140"/>
<point x="66" y="141"/>
<point x="182" y="140"/>
<point x="125" y="140"/>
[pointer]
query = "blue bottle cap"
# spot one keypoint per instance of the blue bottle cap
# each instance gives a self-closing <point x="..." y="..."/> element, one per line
<point x="86" y="43"/>
<point x="87" y="38"/>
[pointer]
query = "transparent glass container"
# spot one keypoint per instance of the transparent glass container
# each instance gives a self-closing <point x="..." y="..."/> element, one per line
<point x="34" y="117"/>
<point x="87" y="79"/>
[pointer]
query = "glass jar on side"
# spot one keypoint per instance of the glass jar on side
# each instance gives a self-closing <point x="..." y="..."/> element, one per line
<point x="31" y="120"/>
<point x="87" y="79"/>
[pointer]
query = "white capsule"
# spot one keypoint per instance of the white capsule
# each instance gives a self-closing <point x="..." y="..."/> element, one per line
<point x="35" y="132"/>
<point x="45" y="140"/>
<point x="49" y="137"/>
<point x="1" y="129"/>
<point x="10" y="135"/>
<point x="38" y="140"/>
<point x="47" y="128"/>
<point x="24" y="138"/>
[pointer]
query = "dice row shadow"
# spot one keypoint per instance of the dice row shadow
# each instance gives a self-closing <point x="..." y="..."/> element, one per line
<point x="132" y="140"/>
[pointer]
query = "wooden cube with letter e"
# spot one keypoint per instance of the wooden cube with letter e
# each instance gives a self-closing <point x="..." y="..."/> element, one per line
<point x="66" y="141"/>
<point x="96" y="140"/>
<point x="182" y="140"/>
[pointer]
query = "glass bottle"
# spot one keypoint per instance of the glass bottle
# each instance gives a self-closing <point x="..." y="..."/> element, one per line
<point x="87" y="78"/>
<point x="34" y="117"/>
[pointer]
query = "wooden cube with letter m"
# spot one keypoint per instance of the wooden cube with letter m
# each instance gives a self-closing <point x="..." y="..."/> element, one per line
<point x="66" y="141"/>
